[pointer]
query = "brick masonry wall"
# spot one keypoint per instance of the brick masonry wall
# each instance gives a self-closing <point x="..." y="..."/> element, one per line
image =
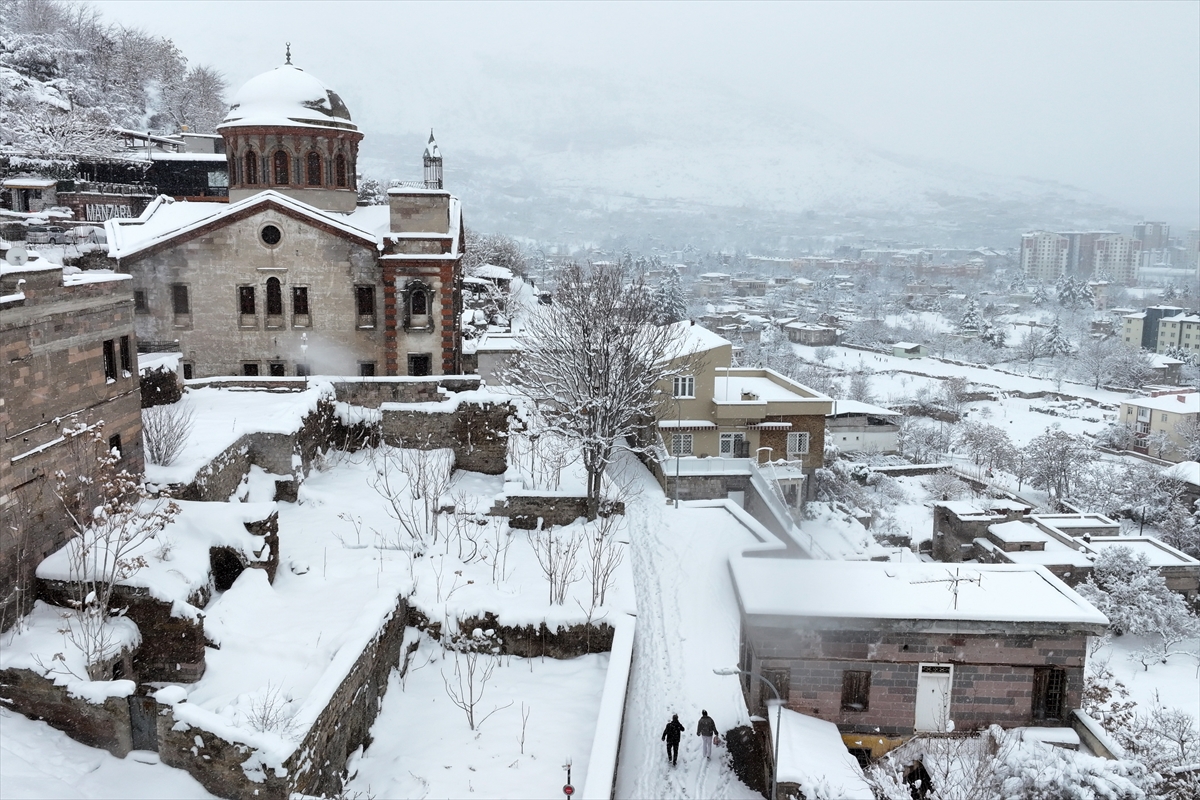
<point x="52" y="378"/>
<point x="992" y="673"/>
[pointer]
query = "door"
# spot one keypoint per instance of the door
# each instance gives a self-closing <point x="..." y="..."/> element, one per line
<point x="933" y="697"/>
<point x="143" y="722"/>
<point x="734" y="445"/>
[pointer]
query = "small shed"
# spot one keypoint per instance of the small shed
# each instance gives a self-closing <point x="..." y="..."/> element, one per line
<point x="855" y="426"/>
<point x="30" y="194"/>
<point x="909" y="350"/>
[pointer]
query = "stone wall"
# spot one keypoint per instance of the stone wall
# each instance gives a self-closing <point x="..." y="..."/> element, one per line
<point x="373" y="392"/>
<point x="215" y="762"/>
<point x="477" y="432"/>
<point x="53" y="380"/>
<point x="992" y="673"/>
<point x="105" y="725"/>
<point x="535" y="641"/>
<point x="531" y="512"/>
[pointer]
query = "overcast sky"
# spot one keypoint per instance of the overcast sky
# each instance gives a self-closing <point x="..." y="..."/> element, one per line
<point x="1103" y="96"/>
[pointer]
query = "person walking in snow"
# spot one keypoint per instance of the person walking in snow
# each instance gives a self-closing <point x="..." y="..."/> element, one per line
<point x="706" y="729"/>
<point x="671" y="736"/>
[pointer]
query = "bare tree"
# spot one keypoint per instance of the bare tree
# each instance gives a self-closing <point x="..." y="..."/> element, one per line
<point x="605" y="553"/>
<point x="166" y="429"/>
<point x="557" y="553"/>
<point x="412" y="482"/>
<point x="592" y="362"/>
<point x="473" y="668"/>
<point x="112" y="517"/>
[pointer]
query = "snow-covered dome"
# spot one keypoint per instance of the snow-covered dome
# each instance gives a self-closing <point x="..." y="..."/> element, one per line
<point x="287" y="95"/>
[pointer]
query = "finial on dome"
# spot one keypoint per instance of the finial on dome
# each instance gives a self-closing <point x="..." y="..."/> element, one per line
<point x="431" y="135"/>
<point x="289" y="53"/>
<point x="433" y="164"/>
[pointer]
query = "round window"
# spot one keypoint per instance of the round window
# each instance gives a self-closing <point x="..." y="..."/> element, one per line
<point x="271" y="235"/>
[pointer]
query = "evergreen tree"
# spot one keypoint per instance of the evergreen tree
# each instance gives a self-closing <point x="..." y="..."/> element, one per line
<point x="971" y="319"/>
<point x="1057" y="342"/>
<point x="995" y="336"/>
<point x="1040" y="296"/>
<point x="669" y="303"/>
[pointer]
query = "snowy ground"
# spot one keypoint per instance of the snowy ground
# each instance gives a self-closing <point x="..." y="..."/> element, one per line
<point x="36" y="761"/>
<point x="687" y="627"/>
<point x="1175" y="684"/>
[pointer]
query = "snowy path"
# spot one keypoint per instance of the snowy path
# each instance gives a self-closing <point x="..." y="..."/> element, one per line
<point x="687" y="626"/>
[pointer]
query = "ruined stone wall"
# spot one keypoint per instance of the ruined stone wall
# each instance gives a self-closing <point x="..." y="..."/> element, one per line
<point x="215" y="762"/>
<point x="530" y="512"/>
<point x="476" y="431"/>
<point x="992" y="674"/>
<point x="52" y="382"/>
<point x="104" y="725"/>
<point x="372" y="392"/>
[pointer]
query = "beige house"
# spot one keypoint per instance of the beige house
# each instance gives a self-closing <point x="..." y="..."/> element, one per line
<point x="1167" y="413"/>
<point x="715" y="410"/>
<point x="1180" y="332"/>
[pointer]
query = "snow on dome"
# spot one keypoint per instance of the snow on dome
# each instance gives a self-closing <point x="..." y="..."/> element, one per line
<point x="287" y="95"/>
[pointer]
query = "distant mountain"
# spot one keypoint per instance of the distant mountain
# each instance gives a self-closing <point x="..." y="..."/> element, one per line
<point x="576" y="156"/>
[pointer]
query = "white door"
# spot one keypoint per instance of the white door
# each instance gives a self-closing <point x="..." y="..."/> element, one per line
<point x="933" y="697"/>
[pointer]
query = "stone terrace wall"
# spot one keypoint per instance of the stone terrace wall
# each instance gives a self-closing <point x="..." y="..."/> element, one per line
<point x="103" y="725"/>
<point x="214" y="762"/>
<point x="373" y="392"/>
<point x="534" y="641"/>
<point x="529" y="512"/>
<point x="477" y="432"/>
<point x="992" y="680"/>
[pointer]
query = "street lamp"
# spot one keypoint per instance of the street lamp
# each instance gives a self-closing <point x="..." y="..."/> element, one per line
<point x="778" y="721"/>
<point x="304" y="356"/>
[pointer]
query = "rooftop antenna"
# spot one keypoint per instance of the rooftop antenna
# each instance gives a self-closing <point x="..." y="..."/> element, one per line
<point x="289" y="53"/>
<point x="954" y="580"/>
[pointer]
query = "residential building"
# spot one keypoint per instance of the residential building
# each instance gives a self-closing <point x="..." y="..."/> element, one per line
<point x="1152" y="235"/>
<point x="1116" y="258"/>
<point x="714" y="410"/>
<point x="861" y="427"/>
<point x="68" y="374"/>
<point x="1140" y="329"/>
<point x="902" y="647"/>
<point x="811" y="335"/>
<point x="292" y="277"/>
<point x="909" y="350"/>
<point x="1172" y="414"/>
<point x="1179" y="332"/>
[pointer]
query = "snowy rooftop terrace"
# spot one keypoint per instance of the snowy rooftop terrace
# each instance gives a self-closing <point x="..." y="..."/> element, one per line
<point x="858" y="590"/>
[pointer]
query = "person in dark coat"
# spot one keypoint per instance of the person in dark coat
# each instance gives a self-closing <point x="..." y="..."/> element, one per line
<point x="706" y="729"/>
<point x="671" y="736"/>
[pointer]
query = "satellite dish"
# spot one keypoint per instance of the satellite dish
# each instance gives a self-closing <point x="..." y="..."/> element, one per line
<point x="17" y="256"/>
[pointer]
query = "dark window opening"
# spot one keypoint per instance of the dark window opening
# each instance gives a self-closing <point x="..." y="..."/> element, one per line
<point x="856" y="690"/>
<point x="862" y="755"/>
<point x="313" y="173"/>
<point x="225" y="567"/>
<point x="126" y="357"/>
<point x="114" y="444"/>
<point x="1049" y="693"/>
<point x="300" y="300"/>
<point x="251" y="170"/>
<point x="419" y="365"/>
<point x="365" y="300"/>
<point x="118" y="670"/>
<point x="281" y="168"/>
<point x="420" y="303"/>
<point x="271" y="235"/>
<point x="110" y="360"/>
<point x="179" y="299"/>
<point x="187" y="371"/>
<point x="250" y="370"/>
<point x="339" y="170"/>
<point x="246" y="300"/>
<point x="781" y="679"/>
<point x="276" y="369"/>
<point x="139" y="299"/>
<point x="366" y="369"/>
<point x="274" y="297"/>
<point x="302" y="370"/>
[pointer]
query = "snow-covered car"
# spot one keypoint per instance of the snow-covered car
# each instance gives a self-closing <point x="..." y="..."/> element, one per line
<point x="46" y="234"/>
<point x="86" y="234"/>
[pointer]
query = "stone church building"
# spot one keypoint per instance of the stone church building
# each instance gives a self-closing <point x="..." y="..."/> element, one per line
<point x="292" y="277"/>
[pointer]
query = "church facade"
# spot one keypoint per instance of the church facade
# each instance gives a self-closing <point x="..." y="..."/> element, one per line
<point x="292" y="277"/>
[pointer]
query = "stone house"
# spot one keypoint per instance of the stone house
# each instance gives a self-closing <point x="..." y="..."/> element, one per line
<point x="855" y="426"/>
<point x="958" y="523"/>
<point x="811" y="335"/>
<point x="68" y="361"/>
<point x="292" y="277"/>
<point x="30" y="194"/>
<point x="900" y="648"/>
<point x="714" y="410"/>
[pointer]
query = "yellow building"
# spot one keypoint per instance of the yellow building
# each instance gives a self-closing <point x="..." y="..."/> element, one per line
<point x="1169" y="413"/>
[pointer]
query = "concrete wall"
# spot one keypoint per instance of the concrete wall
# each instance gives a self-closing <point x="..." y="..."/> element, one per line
<point x="992" y="673"/>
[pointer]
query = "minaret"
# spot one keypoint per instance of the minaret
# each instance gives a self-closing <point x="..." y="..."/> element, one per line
<point x="433" y="164"/>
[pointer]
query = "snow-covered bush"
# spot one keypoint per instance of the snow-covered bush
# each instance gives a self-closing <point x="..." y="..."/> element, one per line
<point x="1135" y="598"/>
<point x="166" y="429"/>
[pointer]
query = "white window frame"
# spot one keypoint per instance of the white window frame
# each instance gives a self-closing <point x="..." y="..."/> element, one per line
<point x="726" y="443"/>
<point x="681" y="444"/>
<point x="683" y="386"/>
<point x="801" y="439"/>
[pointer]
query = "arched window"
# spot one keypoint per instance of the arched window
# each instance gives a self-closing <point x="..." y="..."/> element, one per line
<point x="339" y="171"/>
<point x="313" y="171"/>
<point x="281" y="167"/>
<point x="420" y="303"/>
<point x="250" y="172"/>
<point x="274" y="297"/>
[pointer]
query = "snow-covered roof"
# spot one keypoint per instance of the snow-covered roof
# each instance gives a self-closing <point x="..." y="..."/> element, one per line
<point x="695" y="338"/>
<point x="1187" y="471"/>
<point x="431" y="149"/>
<point x="686" y="423"/>
<point x="730" y="386"/>
<point x="493" y="272"/>
<point x="856" y="407"/>
<point x="165" y="219"/>
<point x="906" y="345"/>
<point x="1177" y="403"/>
<point x="813" y="755"/>
<point x="29" y="183"/>
<point x="870" y="590"/>
<point x="287" y="95"/>
<point x="1018" y="531"/>
<point x="1158" y="553"/>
